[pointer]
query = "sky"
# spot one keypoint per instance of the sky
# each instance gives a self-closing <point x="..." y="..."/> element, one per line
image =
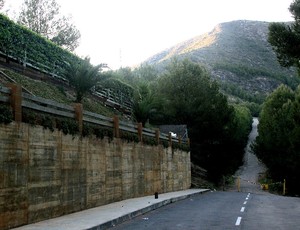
<point x="124" y="33"/>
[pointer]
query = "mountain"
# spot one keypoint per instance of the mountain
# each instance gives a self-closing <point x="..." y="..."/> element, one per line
<point x="238" y="55"/>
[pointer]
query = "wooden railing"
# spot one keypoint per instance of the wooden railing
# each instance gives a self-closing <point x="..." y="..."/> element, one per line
<point x="18" y="100"/>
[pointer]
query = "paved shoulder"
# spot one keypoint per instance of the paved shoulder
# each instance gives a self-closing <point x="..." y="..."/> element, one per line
<point x="109" y="215"/>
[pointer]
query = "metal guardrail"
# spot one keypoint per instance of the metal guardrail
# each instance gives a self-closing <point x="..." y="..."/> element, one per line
<point x="54" y="108"/>
<point x="97" y="119"/>
<point x="108" y="95"/>
<point x="46" y="105"/>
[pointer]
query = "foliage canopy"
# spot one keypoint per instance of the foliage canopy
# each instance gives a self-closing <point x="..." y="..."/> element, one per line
<point x="218" y="131"/>
<point x="82" y="76"/>
<point x="285" y="38"/>
<point x="146" y="103"/>
<point x="2" y="4"/>
<point x="28" y="46"/>
<point x="42" y="17"/>
<point x="278" y="143"/>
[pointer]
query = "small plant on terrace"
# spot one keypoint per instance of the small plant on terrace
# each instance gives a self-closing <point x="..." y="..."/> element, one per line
<point x="82" y="75"/>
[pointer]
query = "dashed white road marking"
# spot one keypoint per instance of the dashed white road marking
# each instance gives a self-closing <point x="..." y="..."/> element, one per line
<point x="238" y="221"/>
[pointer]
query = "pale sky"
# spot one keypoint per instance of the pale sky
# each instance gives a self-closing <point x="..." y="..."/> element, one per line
<point x="127" y="32"/>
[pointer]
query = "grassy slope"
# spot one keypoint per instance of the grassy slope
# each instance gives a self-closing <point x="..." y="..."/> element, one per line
<point x="56" y="93"/>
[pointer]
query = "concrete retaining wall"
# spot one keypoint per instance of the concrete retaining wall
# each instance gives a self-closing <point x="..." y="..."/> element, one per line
<point x="46" y="174"/>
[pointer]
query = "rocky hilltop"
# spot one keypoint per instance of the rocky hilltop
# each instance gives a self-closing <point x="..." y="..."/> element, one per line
<point x="238" y="55"/>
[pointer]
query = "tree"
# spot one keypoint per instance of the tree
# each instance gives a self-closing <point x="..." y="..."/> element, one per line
<point x="241" y="125"/>
<point x="146" y="73"/>
<point x="285" y="38"/>
<point x="146" y="103"/>
<point x="42" y="17"/>
<point x="192" y="97"/>
<point x="2" y="4"/>
<point x="278" y="144"/>
<point x="82" y="76"/>
<point x="215" y="128"/>
<point x="279" y="131"/>
<point x="126" y="75"/>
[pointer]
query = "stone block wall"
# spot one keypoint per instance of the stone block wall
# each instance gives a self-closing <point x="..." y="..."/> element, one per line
<point x="46" y="174"/>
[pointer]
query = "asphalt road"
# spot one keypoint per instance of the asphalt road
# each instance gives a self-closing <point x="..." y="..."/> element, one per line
<point x="251" y="208"/>
<point x="222" y="210"/>
<point x="249" y="172"/>
<point x="252" y="167"/>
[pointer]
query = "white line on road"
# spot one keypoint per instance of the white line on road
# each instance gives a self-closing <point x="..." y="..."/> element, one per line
<point x="242" y="209"/>
<point x="245" y="202"/>
<point x="238" y="221"/>
<point x="247" y="198"/>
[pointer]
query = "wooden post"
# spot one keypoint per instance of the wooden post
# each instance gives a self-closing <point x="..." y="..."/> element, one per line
<point x="157" y="134"/>
<point x="16" y="101"/>
<point x="189" y="142"/>
<point x="79" y="116"/>
<point x="116" y="126"/>
<point x="179" y="140"/>
<point x="170" y="139"/>
<point x="140" y="131"/>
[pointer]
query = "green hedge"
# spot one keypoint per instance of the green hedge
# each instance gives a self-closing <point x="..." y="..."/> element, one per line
<point x="26" y="45"/>
<point x="6" y="115"/>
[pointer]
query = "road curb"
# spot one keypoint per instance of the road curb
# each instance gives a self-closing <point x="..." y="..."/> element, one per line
<point x="129" y="216"/>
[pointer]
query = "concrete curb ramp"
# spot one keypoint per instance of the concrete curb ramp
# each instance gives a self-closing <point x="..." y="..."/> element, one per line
<point x="107" y="216"/>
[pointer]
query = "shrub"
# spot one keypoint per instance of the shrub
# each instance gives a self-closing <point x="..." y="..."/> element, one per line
<point x="6" y="115"/>
<point x="102" y="132"/>
<point x="67" y="126"/>
<point x="149" y="140"/>
<point x="28" y="116"/>
<point x="130" y="137"/>
<point x="165" y="143"/>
